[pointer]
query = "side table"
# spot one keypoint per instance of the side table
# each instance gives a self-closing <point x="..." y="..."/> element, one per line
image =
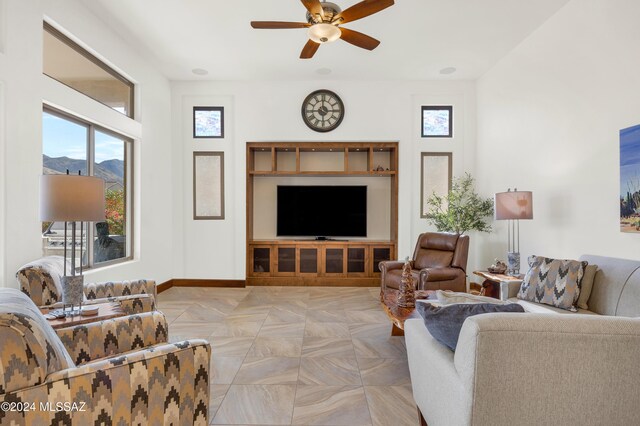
<point x="493" y="283"/>
<point x="398" y="315"/>
<point x="105" y="311"/>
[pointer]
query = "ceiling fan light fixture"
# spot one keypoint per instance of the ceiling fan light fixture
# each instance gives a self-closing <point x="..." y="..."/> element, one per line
<point x="324" y="33"/>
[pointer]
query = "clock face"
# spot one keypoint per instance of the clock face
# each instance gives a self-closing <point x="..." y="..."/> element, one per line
<point x="322" y="111"/>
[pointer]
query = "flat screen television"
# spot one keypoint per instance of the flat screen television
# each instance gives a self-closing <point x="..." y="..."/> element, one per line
<point x="322" y="211"/>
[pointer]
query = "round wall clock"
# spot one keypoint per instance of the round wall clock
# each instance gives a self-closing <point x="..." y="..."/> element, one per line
<point x="322" y="110"/>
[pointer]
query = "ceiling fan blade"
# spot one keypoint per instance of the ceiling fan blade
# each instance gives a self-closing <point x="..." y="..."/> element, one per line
<point x="309" y="49"/>
<point x="359" y="39"/>
<point x="274" y="25"/>
<point x="362" y="9"/>
<point x="314" y="7"/>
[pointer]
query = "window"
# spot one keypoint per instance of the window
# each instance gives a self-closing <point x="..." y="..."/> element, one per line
<point x="437" y="121"/>
<point x="67" y="62"/>
<point x="69" y="143"/>
<point x="208" y="122"/>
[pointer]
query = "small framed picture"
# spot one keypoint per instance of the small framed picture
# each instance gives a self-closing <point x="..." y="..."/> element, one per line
<point x="437" y="121"/>
<point x="435" y="177"/>
<point x="208" y="185"/>
<point x="208" y="122"/>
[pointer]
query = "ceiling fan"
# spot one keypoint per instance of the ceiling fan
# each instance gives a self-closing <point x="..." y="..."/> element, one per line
<point x="324" y="20"/>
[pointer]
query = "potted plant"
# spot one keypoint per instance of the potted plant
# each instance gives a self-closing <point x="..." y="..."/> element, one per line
<point x="461" y="210"/>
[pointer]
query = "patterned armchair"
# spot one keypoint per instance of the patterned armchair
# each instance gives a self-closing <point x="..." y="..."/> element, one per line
<point x="100" y="373"/>
<point x="41" y="280"/>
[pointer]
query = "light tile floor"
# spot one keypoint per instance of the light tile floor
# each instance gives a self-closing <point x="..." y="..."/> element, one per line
<point x="296" y="355"/>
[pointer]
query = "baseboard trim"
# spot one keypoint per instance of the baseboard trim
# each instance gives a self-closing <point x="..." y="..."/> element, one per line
<point x="189" y="282"/>
<point x="164" y="286"/>
<point x="193" y="282"/>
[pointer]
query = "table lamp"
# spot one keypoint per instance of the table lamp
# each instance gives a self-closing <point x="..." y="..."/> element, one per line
<point x="513" y="206"/>
<point x="72" y="198"/>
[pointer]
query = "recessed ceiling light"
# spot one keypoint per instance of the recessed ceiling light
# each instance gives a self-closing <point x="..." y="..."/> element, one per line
<point x="199" y="71"/>
<point x="323" y="71"/>
<point x="448" y="70"/>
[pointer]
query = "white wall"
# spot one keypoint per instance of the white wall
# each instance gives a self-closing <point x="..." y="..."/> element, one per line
<point x="270" y="111"/>
<point x="26" y="88"/>
<point x="548" y="120"/>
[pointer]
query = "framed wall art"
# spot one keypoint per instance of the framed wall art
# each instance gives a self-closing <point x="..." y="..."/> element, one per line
<point x="437" y="121"/>
<point x="630" y="179"/>
<point x="208" y="185"/>
<point x="435" y="176"/>
<point x="208" y="122"/>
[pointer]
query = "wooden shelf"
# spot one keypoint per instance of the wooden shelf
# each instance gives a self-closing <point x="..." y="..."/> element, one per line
<point x="338" y="158"/>
<point x="370" y="173"/>
<point x="349" y="262"/>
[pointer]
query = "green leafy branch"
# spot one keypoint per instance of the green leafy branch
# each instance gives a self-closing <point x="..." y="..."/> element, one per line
<point x="461" y="210"/>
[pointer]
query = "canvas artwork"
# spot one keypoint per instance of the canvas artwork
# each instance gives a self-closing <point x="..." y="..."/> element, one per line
<point x="208" y="185"/>
<point x="435" y="177"/>
<point x="630" y="179"/>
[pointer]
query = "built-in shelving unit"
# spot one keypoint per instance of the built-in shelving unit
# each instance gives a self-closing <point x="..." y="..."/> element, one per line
<point x="273" y="261"/>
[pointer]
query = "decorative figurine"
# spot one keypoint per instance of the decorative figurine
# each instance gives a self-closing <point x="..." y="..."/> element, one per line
<point x="498" y="267"/>
<point x="406" y="294"/>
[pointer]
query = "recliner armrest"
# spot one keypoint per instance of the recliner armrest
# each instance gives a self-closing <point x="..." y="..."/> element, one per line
<point x="388" y="265"/>
<point x="440" y="274"/>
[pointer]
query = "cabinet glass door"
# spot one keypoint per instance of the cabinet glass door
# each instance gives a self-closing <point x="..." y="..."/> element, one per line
<point x="380" y="254"/>
<point x="334" y="261"/>
<point x="286" y="260"/>
<point x="308" y="261"/>
<point x="261" y="260"/>
<point x="356" y="260"/>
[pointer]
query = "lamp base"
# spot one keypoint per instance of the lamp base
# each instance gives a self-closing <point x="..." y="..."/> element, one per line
<point x="72" y="289"/>
<point x="513" y="263"/>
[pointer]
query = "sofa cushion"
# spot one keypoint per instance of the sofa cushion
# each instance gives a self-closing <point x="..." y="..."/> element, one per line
<point x="430" y="258"/>
<point x="587" y="285"/>
<point x="444" y="322"/>
<point x="553" y="282"/>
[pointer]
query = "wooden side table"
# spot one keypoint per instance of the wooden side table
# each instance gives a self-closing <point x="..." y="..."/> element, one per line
<point x="105" y="311"/>
<point x="399" y="315"/>
<point x="492" y="282"/>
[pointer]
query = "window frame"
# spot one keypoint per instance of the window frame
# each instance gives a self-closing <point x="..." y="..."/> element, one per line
<point x="220" y="109"/>
<point x="436" y="108"/>
<point x="128" y="184"/>
<point x="82" y="51"/>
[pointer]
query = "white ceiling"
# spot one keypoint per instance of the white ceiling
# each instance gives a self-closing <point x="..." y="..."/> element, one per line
<point x="418" y="37"/>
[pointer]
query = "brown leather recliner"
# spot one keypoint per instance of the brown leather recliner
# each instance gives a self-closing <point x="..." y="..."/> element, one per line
<point x="439" y="263"/>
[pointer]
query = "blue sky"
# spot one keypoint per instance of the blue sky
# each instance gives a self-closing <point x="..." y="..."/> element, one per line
<point x="65" y="138"/>
<point x="629" y="159"/>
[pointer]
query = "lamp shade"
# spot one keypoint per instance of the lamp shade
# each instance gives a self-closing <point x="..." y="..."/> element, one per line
<point x="513" y="205"/>
<point x="71" y="198"/>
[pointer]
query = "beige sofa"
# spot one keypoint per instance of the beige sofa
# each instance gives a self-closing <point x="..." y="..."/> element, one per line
<point x="538" y="368"/>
